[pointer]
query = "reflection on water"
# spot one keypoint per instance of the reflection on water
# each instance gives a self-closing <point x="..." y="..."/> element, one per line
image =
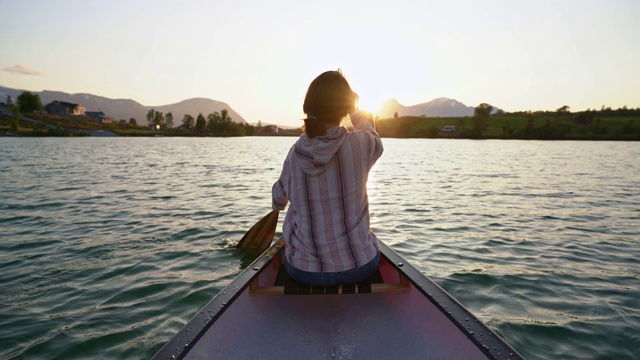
<point x="108" y="246"/>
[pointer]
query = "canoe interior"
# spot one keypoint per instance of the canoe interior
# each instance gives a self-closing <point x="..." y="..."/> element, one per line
<point x="421" y="321"/>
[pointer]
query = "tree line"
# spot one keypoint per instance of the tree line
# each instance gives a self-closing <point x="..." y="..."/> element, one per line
<point x="605" y="123"/>
<point x="215" y="124"/>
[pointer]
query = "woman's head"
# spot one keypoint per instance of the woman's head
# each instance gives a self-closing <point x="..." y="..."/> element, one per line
<point x="329" y="99"/>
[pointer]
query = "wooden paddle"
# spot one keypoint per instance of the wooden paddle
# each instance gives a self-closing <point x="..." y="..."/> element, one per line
<point x="260" y="234"/>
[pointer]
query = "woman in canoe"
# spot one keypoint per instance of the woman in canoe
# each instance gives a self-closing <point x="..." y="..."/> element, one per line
<point x="327" y="230"/>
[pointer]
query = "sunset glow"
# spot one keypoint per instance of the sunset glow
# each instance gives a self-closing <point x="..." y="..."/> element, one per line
<point x="260" y="57"/>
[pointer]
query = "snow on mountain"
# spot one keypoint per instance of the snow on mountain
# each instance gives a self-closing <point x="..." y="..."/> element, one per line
<point x="440" y="107"/>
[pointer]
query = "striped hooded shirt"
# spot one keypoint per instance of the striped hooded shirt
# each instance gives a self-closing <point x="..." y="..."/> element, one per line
<point x="326" y="228"/>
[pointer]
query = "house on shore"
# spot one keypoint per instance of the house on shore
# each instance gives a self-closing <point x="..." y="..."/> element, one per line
<point x="99" y="117"/>
<point x="269" y="129"/>
<point x="64" y="108"/>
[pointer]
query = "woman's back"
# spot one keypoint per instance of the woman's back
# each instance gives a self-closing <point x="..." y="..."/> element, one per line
<point x="327" y="224"/>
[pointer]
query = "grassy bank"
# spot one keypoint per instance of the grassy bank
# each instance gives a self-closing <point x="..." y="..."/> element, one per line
<point x="542" y="126"/>
<point x="50" y="125"/>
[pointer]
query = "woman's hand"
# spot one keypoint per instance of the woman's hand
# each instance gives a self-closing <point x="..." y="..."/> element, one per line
<point x="361" y="116"/>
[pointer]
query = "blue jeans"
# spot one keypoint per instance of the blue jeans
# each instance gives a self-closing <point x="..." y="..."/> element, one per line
<point x="352" y="276"/>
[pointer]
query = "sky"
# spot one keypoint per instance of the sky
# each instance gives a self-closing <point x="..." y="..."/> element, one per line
<point x="260" y="56"/>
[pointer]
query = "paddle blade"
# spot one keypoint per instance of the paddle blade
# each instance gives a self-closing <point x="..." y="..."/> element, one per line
<point x="260" y="234"/>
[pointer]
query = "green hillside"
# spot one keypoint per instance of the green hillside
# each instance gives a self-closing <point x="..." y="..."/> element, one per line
<point x="622" y="124"/>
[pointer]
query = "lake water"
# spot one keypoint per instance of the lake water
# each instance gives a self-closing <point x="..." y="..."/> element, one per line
<point x="109" y="246"/>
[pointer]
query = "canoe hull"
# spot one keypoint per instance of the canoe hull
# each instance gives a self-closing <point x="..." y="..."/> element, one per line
<point x="411" y="317"/>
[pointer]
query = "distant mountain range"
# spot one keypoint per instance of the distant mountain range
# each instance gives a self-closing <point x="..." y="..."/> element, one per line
<point x="126" y="108"/>
<point x="441" y="107"/>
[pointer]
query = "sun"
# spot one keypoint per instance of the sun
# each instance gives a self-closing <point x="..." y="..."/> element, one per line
<point x="368" y="98"/>
<point x="365" y="103"/>
<point x="371" y="92"/>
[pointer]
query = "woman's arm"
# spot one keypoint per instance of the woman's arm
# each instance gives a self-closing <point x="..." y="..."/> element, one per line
<point x="278" y="191"/>
<point x="363" y="121"/>
<point x="279" y="197"/>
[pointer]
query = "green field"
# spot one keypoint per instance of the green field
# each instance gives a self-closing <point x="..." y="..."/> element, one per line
<point x="545" y="126"/>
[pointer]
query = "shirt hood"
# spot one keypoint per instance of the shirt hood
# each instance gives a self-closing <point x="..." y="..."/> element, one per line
<point x="314" y="154"/>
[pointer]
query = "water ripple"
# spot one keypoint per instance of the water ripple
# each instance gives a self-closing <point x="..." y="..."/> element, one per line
<point x="108" y="246"/>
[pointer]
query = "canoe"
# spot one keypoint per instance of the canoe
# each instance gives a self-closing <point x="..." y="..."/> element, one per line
<point x="398" y="314"/>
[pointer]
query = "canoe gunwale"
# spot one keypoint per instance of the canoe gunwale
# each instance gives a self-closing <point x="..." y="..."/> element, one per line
<point x="490" y="343"/>
<point x="182" y="342"/>
<point x="485" y="339"/>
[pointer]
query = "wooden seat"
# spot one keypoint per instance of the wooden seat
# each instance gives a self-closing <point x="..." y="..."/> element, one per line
<point x="285" y="285"/>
